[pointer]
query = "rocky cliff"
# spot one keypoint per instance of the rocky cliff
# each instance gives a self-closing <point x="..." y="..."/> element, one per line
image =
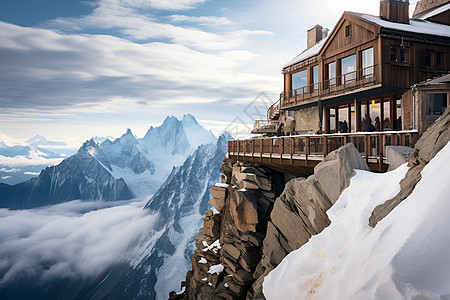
<point x="258" y="218"/>
<point x="260" y="215"/>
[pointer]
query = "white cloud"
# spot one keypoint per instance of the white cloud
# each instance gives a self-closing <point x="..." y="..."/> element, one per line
<point x="72" y="239"/>
<point x="33" y="160"/>
<point x="95" y="69"/>
<point x="31" y="173"/>
<point x="204" y="20"/>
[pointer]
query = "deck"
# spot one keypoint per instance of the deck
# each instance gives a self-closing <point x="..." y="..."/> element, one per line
<point x="299" y="154"/>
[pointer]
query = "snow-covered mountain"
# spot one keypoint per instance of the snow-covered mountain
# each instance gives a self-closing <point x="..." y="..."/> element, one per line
<point x="156" y="262"/>
<point x="82" y="176"/>
<point x="139" y="166"/>
<point x="180" y="202"/>
<point x="21" y="161"/>
<point x="39" y="140"/>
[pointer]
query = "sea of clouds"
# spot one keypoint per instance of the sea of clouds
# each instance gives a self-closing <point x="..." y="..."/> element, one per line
<point x="72" y="240"/>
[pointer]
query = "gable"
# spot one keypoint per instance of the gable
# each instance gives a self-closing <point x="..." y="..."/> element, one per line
<point x="442" y="18"/>
<point x="340" y="39"/>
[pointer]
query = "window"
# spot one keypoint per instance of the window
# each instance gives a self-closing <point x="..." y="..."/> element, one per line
<point x="439" y="59"/>
<point x="428" y="58"/>
<point x="348" y="31"/>
<point x="400" y="56"/>
<point x="348" y="67"/>
<point x="299" y="80"/>
<point x="367" y="62"/>
<point x="315" y="79"/>
<point x="403" y="55"/>
<point x="393" y="54"/>
<point x="332" y="73"/>
<point x="436" y="103"/>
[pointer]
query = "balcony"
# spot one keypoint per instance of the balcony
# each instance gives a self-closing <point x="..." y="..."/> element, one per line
<point x="360" y="79"/>
<point x="306" y="151"/>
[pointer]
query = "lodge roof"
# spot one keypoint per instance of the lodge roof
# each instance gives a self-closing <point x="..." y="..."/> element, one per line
<point x="418" y="25"/>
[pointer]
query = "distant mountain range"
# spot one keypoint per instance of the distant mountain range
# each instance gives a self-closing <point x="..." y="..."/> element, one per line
<point x="122" y="169"/>
<point x="180" y="203"/>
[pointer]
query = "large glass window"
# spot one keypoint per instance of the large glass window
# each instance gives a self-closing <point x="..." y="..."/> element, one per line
<point x="315" y="72"/>
<point x="299" y="80"/>
<point x="436" y="103"/>
<point x="348" y="67"/>
<point x="367" y="62"/>
<point x="332" y="73"/>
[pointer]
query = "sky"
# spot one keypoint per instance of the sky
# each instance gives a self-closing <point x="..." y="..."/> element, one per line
<point x="70" y="70"/>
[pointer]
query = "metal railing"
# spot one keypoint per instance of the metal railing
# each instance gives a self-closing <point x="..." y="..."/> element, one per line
<point x="333" y="86"/>
<point x="286" y="149"/>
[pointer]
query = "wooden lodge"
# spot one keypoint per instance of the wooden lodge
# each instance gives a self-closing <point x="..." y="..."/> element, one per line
<point x="383" y="74"/>
<point x="363" y="68"/>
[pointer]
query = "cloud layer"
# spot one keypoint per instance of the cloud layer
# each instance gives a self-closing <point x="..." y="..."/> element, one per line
<point x="75" y="239"/>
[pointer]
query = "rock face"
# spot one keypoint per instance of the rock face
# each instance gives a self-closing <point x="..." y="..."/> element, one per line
<point x="252" y="232"/>
<point x="431" y="142"/>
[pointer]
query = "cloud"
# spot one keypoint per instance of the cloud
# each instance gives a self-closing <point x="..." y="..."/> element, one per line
<point x="204" y="20"/>
<point x="32" y="160"/>
<point x="72" y="239"/>
<point x="85" y="73"/>
<point x="31" y="173"/>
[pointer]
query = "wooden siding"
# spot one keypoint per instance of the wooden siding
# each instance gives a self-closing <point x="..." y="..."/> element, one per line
<point x="443" y="18"/>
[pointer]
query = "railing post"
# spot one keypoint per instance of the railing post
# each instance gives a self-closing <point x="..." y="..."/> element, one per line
<point x="253" y="148"/>
<point x="380" y="153"/>
<point x="281" y="149"/>
<point x="366" y="147"/>
<point x="291" y="141"/>
<point x="261" y="144"/>
<point x="325" y="146"/>
<point x="270" y="149"/>
<point x="306" y="149"/>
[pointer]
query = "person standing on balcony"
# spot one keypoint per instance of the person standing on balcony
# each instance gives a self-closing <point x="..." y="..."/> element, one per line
<point x="280" y="130"/>
<point x="343" y="127"/>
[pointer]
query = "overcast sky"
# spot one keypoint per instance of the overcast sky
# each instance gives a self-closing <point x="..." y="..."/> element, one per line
<point x="74" y="69"/>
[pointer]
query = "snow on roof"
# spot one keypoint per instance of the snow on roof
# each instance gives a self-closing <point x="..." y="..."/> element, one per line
<point x="433" y="12"/>
<point x="416" y="26"/>
<point x="306" y="53"/>
<point x="439" y="80"/>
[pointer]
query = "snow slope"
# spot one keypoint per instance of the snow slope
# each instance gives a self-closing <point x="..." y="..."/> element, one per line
<point x="406" y="256"/>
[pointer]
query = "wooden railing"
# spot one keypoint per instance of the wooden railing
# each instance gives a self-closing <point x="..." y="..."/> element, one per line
<point x="333" y="86"/>
<point x="293" y="149"/>
<point x="261" y="124"/>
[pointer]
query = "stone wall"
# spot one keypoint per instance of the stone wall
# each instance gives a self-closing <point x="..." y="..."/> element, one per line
<point x="307" y="119"/>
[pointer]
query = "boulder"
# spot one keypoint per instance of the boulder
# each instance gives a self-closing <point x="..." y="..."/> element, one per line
<point x="232" y="251"/>
<point x="211" y="224"/>
<point x="243" y="210"/>
<point x="334" y="172"/>
<point x="397" y="156"/>
<point x="218" y="193"/>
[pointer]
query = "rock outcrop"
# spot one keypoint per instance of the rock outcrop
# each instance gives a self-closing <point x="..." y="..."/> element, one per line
<point x="250" y="232"/>
<point x="397" y="156"/>
<point x="431" y="142"/>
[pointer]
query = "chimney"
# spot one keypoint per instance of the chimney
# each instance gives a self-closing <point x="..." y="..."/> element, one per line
<point x="395" y="11"/>
<point x="315" y="35"/>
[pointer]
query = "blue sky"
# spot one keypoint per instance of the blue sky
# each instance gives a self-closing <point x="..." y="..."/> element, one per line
<point x="73" y="69"/>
